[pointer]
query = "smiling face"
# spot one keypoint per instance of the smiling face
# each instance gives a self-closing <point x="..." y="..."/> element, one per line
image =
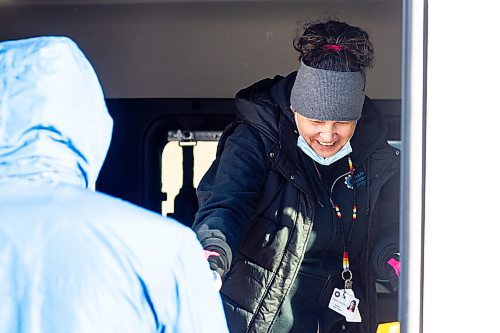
<point x="326" y="138"/>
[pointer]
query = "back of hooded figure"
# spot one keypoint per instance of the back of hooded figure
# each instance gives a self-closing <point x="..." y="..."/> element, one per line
<point x="71" y="259"/>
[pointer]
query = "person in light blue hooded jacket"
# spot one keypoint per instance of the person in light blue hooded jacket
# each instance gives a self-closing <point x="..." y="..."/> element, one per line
<point x="72" y="259"/>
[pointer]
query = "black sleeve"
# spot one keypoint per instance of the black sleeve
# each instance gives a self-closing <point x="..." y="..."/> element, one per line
<point x="228" y="194"/>
<point x="386" y="237"/>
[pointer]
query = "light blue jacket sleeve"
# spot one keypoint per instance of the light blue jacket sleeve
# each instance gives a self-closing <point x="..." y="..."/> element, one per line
<point x="199" y="308"/>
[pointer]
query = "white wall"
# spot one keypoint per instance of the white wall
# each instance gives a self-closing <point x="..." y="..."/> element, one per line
<point x="462" y="225"/>
<point x="203" y="49"/>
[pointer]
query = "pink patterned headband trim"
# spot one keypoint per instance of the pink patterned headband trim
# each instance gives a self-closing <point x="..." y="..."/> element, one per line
<point x="333" y="47"/>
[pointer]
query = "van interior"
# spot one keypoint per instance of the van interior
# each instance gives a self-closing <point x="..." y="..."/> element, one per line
<point x="170" y="70"/>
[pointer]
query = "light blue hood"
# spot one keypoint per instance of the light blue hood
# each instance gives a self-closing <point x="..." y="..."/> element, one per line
<point x="50" y="97"/>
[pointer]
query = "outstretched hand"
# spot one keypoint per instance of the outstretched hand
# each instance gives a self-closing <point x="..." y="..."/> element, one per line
<point x="216" y="276"/>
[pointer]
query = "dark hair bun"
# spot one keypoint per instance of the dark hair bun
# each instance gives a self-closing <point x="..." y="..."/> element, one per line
<point x="356" y="50"/>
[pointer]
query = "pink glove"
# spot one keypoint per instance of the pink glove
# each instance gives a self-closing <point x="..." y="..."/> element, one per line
<point x="395" y="265"/>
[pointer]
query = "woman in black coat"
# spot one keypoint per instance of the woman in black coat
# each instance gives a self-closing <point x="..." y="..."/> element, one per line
<point x="299" y="211"/>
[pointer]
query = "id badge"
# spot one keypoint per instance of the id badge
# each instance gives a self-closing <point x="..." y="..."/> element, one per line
<point x="344" y="302"/>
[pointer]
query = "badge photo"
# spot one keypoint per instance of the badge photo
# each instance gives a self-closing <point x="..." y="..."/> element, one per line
<point x="344" y="302"/>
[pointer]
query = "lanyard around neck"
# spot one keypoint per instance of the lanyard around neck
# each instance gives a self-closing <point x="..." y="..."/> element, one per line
<point x="349" y="181"/>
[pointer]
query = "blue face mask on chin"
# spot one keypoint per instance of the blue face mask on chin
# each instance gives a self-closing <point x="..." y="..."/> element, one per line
<point x="344" y="151"/>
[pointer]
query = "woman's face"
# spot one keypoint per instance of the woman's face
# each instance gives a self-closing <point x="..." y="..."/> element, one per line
<point x="325" y="137"/>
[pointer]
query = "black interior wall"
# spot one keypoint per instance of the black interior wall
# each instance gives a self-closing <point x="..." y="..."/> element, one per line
<point x="132" y="169"/>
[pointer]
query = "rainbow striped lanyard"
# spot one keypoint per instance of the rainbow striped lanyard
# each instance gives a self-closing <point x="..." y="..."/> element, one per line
<point x="346" y="272"/>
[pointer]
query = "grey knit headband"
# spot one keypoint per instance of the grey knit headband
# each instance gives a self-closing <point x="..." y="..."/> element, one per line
<point x="328" y="95"/>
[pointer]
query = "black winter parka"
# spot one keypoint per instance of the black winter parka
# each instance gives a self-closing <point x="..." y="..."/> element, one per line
<point x="257" y="207"/>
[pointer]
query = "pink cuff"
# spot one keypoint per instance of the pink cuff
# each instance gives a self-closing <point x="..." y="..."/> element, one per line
<point x="395" y="265"/>
<point x="209" y="254"/>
